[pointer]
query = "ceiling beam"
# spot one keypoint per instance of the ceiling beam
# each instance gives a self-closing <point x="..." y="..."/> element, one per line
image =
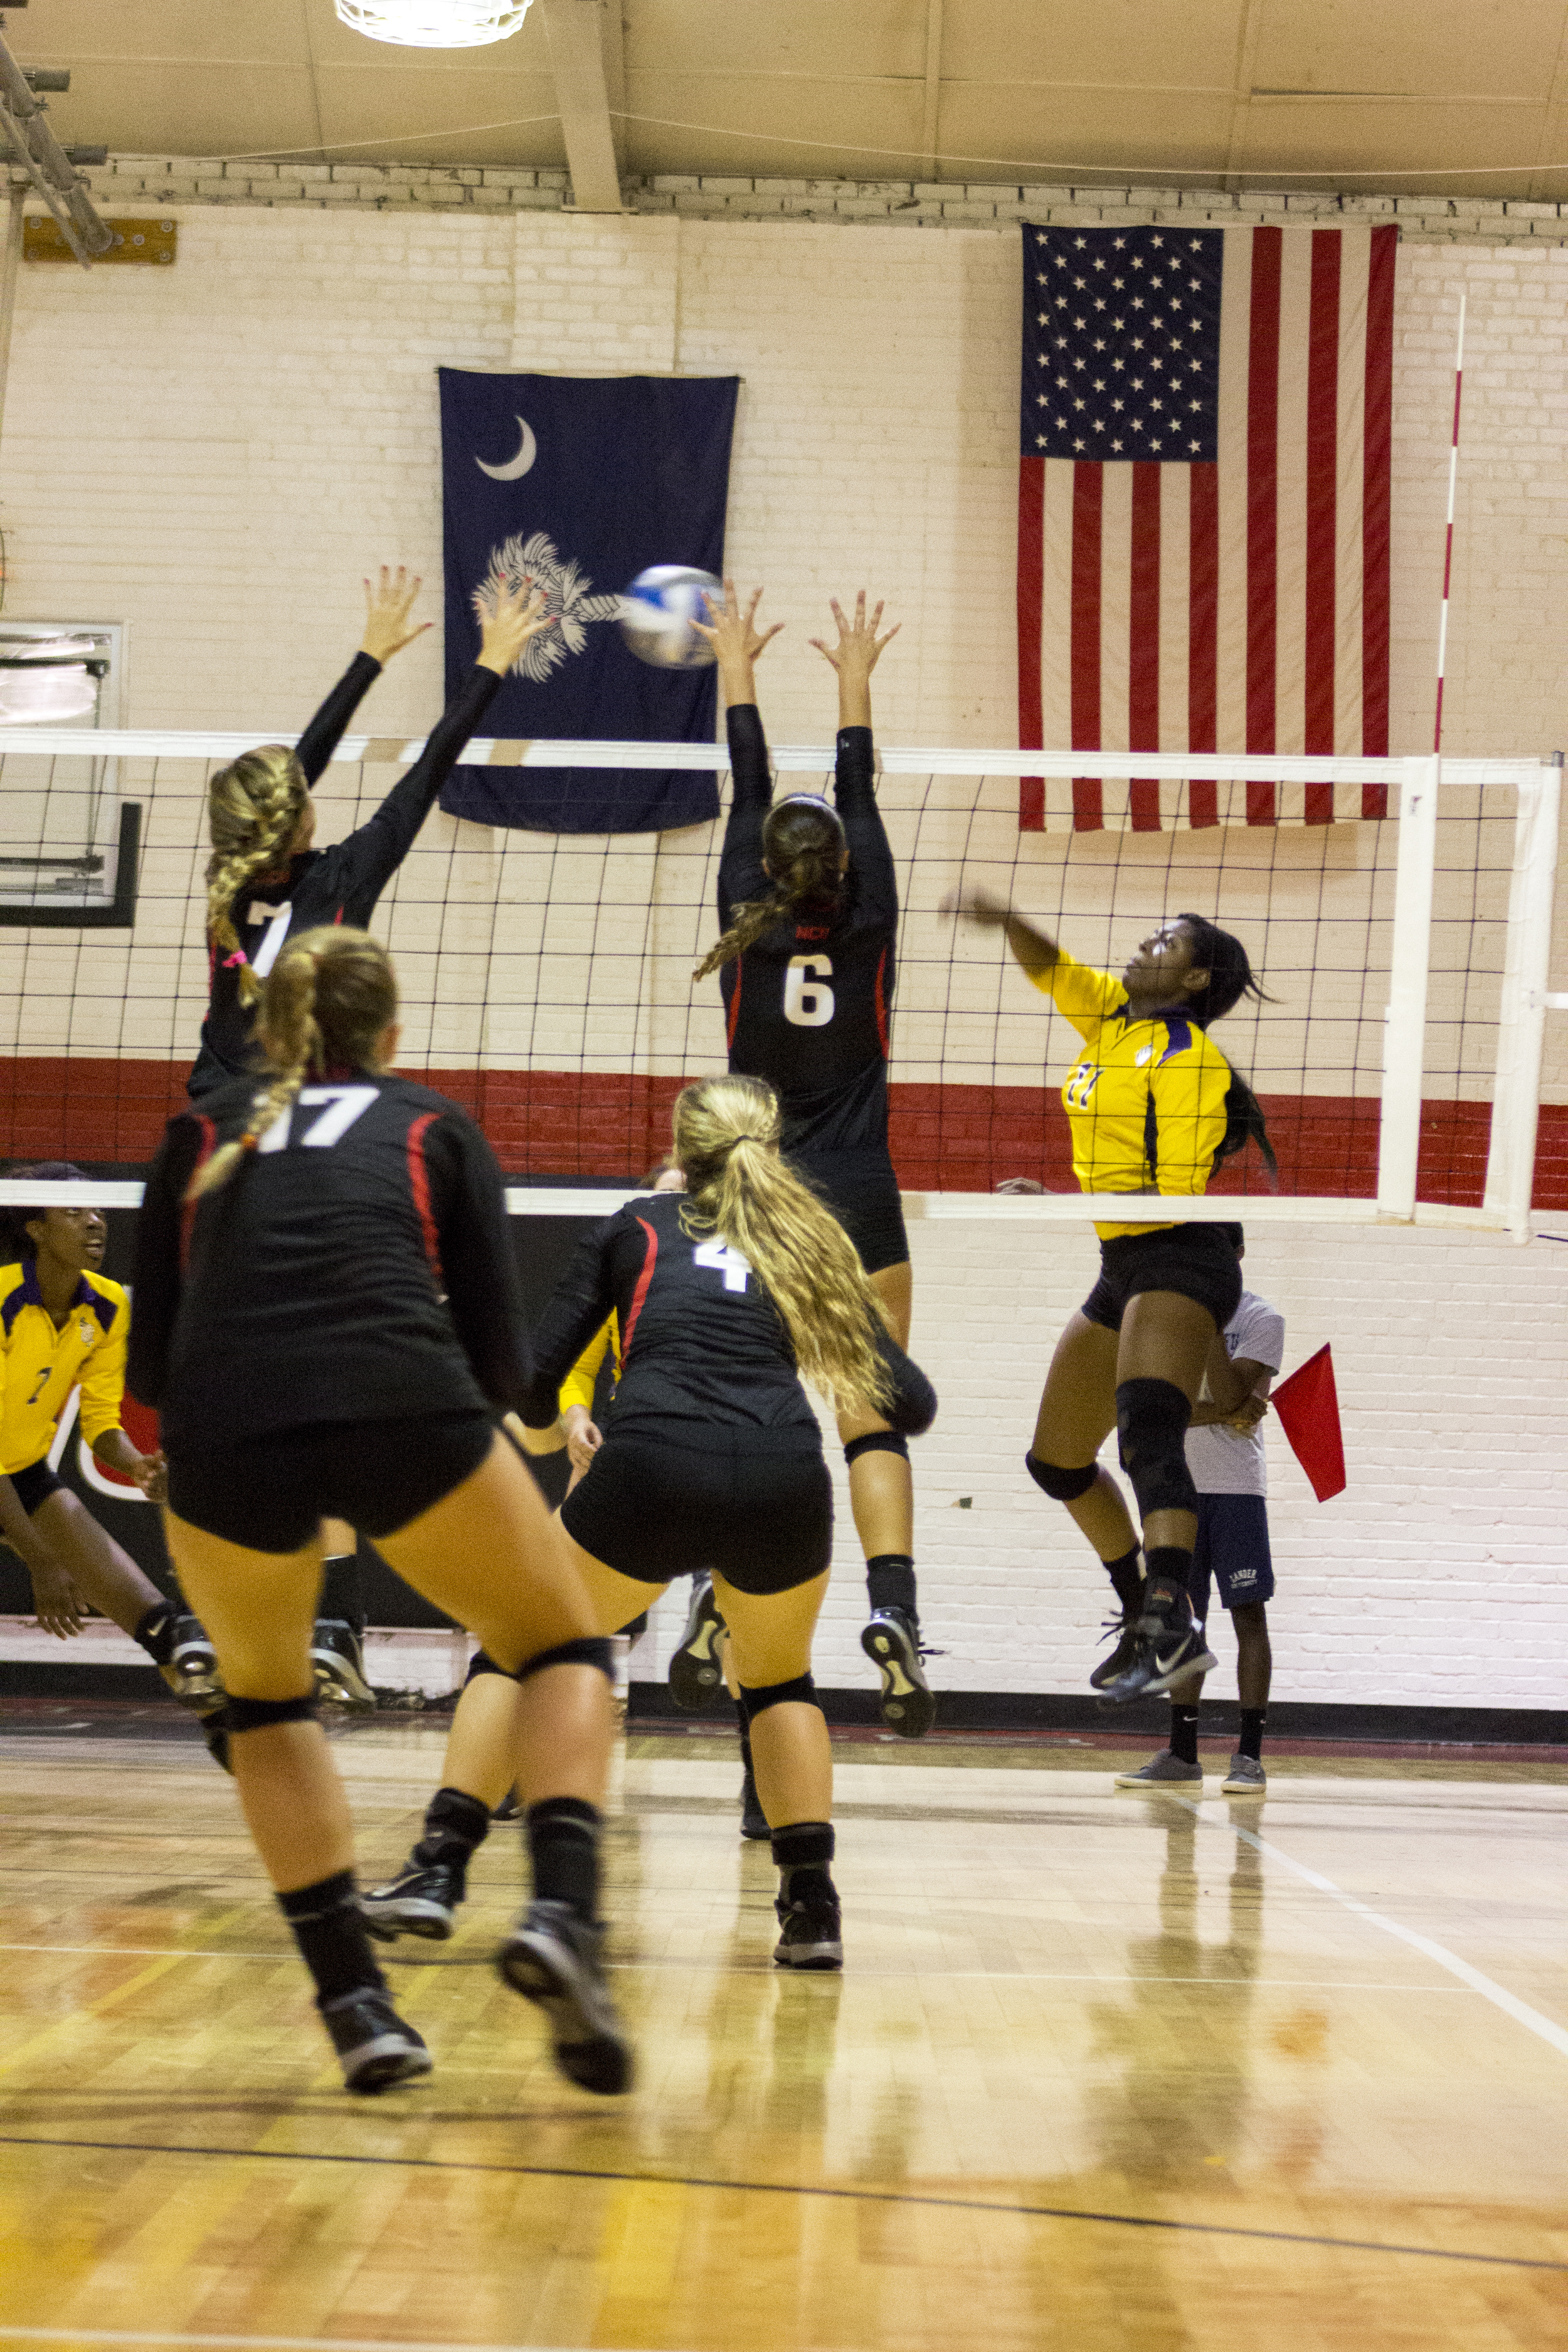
<point x="932" y="107"/>
<point x="578" y="42"/>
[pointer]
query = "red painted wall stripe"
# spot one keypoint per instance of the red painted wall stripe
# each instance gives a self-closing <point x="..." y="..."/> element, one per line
<point x="1088" y="514"/>
<point x="1143" y="646"/>
<point x="1322" y="504"/>
<point x="1031" y="591"/>
<point x="1377" y="505"/>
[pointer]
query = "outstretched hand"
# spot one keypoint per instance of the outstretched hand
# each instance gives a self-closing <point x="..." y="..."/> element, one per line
<point x="860" y="648"/>
<point x="387" y="610"/>
<point x="733" y="634"/>
<point x="975" y="906"/>
<point x="506" y="626"/>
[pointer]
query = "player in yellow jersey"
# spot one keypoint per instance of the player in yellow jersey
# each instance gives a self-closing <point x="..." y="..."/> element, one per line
<point x="1153" y="1107"/>
<point x="63" y="1326"/>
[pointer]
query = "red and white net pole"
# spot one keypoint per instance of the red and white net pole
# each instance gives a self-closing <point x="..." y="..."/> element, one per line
<point x="1449" y="549"/>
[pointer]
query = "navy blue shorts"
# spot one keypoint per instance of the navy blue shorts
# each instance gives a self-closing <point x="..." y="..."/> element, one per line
<point x="1232" y="1551"/>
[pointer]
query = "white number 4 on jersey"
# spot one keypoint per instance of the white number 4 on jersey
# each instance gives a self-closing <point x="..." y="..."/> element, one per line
<point x="724" y="1260"/>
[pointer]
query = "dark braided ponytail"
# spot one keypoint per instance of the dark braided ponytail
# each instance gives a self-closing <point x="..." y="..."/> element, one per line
<point x="1230" y="978"/>
<point x="803" y="846"/>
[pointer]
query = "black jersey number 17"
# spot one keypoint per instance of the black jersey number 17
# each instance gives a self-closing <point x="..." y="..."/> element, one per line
<point x="341" y="1106"/>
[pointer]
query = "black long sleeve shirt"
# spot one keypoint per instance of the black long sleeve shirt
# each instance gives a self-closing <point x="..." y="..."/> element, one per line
<point x="338" y="885"/>
<point x="357" y="1266"/>
<point x="808" y="1005"/>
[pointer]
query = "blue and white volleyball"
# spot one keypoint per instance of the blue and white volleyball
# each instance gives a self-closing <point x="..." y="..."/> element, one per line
<point x="658" y="611"/>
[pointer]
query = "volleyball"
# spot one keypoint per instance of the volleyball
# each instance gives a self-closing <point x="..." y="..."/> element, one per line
<point x="658" y="611"/>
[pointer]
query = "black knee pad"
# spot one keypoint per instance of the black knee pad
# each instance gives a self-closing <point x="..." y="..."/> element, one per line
<point x="261" y="1714"/>
<point x="1152" y="1418"/>
<point x="588" y="1650"/>
<point x="482" y="1662"/>
<point x="801" y="1692"/>
<point x="1061" y="1485"/>
<point x="878" y="1441"/>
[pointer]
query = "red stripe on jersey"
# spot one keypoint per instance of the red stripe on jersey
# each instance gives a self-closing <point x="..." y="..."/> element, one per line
<point x="882" y="1002"/>
<point x="734" y="1005"/>
<point x="640" y="1293"/>
<point x="419" y="1179"/>
<point x="188" y="1208"/>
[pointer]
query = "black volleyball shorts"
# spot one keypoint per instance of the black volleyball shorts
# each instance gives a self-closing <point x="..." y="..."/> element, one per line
<point x="655" y="1510"/>
<point x="1195" y="1261"/>
<point x="271" y="1490"/>
<point x="862" y="1191"/>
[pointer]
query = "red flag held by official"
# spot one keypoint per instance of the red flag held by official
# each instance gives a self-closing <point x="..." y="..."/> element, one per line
<point x="1307" y="1405"/>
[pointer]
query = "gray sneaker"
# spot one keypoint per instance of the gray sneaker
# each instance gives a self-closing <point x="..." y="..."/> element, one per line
<point x="1162" y="1771"/>
<point x="1246" y="1778"/>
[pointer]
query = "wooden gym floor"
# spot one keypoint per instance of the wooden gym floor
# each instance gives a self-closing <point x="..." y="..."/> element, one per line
<point x="1103" y="2070"/>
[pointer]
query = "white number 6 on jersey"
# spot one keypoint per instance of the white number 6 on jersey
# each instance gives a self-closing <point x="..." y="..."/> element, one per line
<point x="807" y="998"/>
<point x="724" y="1260"/>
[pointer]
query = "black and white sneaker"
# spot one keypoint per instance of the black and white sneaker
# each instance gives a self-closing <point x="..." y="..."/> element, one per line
<point x="1125" y="1628"/>
<point x="551" y="1958"/>
<point x="813" y="1934"/>
<point x="1168" y="1649"/>
<point x="892" y="1642"/>
<point x="337" y="1661"/>
<point x="696" y="1677"/>
<point x="373" y="2045"/>
<point x="192" y="1670"/>
<point x="422" y="1902"/>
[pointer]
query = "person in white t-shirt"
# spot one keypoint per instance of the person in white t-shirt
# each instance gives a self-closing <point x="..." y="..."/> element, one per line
<point x="1224" y="1455"/>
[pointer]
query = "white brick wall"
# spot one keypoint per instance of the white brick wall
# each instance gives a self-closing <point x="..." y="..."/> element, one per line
<point x="216" y="452"/>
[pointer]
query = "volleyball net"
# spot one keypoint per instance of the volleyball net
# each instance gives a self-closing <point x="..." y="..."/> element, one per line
<point x="547" y="980"/>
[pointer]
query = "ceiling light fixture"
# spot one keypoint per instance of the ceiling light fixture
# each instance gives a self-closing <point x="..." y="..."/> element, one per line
<point x="435" y="23"/>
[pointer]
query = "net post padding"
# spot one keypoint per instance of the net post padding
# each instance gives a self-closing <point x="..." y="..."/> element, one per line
<point x="1521" y="1015"/>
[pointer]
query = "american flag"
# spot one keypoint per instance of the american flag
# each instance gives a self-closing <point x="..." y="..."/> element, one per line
<point x="1203" y="501"/>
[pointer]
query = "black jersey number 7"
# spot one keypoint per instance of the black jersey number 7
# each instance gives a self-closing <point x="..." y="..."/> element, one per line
<point x="340" y="1107"/>
<point x="808" y="996"/>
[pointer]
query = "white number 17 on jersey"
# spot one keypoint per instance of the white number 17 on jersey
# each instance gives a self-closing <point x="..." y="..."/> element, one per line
<point x="343" y="1106"/>
<point x="724" y="1260"/>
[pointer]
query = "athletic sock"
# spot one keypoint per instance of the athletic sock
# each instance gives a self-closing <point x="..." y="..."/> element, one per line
<point x="803" y="1853"/>
<point x="1126" y="1575"/>
<point x="342" y="1591"/>
<point x="563" y="1844"/>
<point x="1251" y="1741"/>
<point x="454" y="1823"/>
<point x="891" y="1581"/>
<point x="1185" y="1733"/>
<point x="329" y="1930"/>
<point x="154" y="1630"/>
<point x="1168" y="1568"/>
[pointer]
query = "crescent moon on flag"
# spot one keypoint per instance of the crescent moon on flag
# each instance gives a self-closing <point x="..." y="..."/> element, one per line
<point x="527" y="451"/>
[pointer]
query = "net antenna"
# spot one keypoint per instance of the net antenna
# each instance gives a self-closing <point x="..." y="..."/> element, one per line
<point x="547" y="978"/>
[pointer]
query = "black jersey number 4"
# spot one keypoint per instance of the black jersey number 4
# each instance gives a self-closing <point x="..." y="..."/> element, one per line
<point x="807" y="995"/>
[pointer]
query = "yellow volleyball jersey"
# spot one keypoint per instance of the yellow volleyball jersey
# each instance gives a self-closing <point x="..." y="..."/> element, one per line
<point x="1146" y="1099"/>
<point x="42" y="1365"/>
<point x="579" y="1384"/>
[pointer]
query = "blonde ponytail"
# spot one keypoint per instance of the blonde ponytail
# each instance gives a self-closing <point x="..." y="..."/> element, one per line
<point x="726" y="1135"/>
<point x="324" y="1005"/>
<point x="254" y="807"/>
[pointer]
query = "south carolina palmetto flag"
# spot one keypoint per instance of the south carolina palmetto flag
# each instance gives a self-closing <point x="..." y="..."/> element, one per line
<point x="1204" y="503"/>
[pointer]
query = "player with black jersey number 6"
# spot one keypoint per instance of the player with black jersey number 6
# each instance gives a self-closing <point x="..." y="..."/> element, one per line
<point x="809" y="903"/>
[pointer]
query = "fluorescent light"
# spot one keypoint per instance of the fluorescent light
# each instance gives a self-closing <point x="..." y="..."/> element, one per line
<point x="435" y="23"/>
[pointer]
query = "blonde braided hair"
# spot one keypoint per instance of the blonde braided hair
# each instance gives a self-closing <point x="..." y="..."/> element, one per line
<point x="727" y="1134"/>
<point x="324" y="1003"/>
<point x="254" y="807"/>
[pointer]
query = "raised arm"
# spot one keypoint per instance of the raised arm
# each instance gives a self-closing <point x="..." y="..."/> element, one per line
<point x="854" y="657"/>
<point x="1035" y="950"/>
<point x="366" y="862"/>
<point x="737" y="644"/>
<point x="386" y="632"/>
